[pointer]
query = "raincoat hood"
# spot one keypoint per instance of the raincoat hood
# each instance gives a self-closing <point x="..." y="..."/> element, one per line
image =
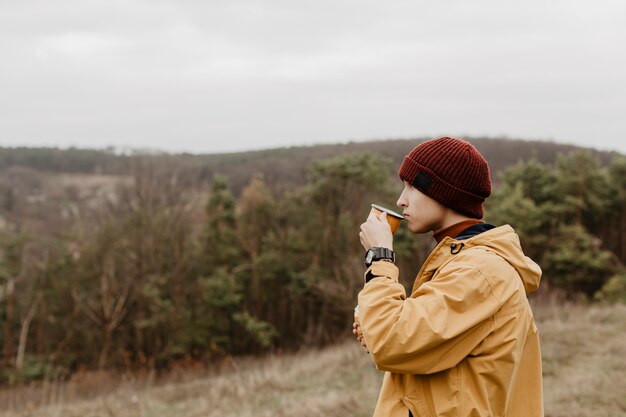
<point x="505" y="242"/>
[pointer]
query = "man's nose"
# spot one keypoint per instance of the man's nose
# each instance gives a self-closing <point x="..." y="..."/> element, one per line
<point x="401" y="200"/>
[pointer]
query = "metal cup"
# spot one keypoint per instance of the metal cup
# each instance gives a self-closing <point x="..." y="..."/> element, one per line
<point x="393" y="218"/>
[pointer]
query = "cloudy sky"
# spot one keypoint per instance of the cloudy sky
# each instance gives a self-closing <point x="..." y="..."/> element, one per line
<point x="216" y="76"/>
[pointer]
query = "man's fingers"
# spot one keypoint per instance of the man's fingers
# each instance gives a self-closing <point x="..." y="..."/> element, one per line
<point x="377" y="217"/>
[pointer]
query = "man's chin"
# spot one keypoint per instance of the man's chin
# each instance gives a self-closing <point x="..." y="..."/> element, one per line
<point x="419" y="229"/>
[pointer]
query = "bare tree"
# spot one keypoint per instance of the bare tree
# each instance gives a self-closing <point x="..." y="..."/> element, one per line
<point x="21" y="347"/>
<point x="108" y="307"/>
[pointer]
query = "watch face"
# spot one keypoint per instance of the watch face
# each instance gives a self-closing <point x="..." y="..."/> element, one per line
<point x="369" y="256"/>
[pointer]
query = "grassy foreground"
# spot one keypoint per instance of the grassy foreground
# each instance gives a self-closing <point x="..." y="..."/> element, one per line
<point x="584" y="353"/>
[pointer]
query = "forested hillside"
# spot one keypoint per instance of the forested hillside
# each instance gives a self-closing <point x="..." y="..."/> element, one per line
<point x="141" y="261"/>
<point x="284" y="168"/>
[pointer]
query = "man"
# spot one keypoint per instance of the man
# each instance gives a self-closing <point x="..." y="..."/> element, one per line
<point x="464" y="343"/>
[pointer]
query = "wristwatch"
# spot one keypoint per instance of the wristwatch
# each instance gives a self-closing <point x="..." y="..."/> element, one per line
<point x="378" y="254"/>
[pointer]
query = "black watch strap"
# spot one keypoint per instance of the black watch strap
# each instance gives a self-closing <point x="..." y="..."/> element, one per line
<point x="377" y="254"/>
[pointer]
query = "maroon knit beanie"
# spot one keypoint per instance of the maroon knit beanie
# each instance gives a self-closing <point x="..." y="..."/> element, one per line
<point x="450" y="171"/>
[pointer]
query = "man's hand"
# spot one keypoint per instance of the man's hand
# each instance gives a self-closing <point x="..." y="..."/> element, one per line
<point x="356" y="329"/>
<point x="376" y="232"/>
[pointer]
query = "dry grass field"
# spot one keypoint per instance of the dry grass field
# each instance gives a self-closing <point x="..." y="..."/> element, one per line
<point x="584" y="352"/>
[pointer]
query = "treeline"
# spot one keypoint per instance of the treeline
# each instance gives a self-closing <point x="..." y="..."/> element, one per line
<point x="145" y="278"/>
<point x="74" y="160"/>
<point x="571" y="219"/>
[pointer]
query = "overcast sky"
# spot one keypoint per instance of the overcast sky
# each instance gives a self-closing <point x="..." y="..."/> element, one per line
<point x="216" y="76"/>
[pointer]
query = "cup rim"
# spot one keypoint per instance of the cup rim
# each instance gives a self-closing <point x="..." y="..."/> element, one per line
<point x="386" y="210"/>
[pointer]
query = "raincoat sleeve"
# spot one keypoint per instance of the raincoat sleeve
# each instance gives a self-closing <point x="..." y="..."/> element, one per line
<point x="446" y="318"/>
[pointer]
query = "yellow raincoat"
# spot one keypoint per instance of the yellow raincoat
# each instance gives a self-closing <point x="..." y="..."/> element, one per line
<point x="465" y="342"/>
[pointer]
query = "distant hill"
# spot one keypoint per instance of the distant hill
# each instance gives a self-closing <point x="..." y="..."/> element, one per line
<point x="284" y="168"/>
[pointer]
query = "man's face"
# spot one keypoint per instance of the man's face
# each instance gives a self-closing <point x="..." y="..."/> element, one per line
<point x="422" y="213"/>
